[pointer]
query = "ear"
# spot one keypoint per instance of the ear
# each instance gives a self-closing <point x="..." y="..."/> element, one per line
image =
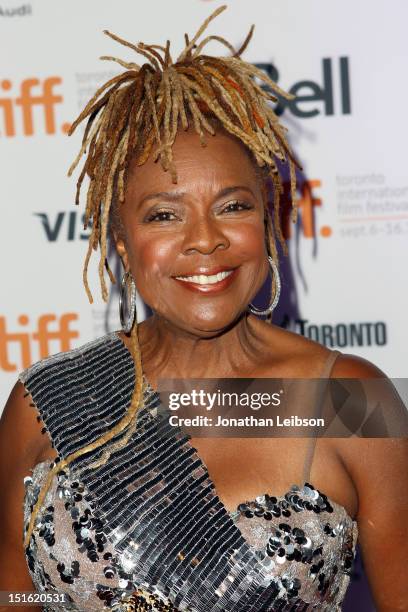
<point x="121" y="250"/>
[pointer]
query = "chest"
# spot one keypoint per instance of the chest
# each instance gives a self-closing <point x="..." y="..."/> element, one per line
<point x="244" y="468"/>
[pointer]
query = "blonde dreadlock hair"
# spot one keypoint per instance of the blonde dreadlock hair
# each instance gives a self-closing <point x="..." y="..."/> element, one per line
<point x="136" y="115"/>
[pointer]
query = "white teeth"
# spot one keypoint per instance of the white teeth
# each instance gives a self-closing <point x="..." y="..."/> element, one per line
<point x="202" y="279"/>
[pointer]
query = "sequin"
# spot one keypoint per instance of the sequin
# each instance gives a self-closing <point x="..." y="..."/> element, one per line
<point x="146" y="531"/>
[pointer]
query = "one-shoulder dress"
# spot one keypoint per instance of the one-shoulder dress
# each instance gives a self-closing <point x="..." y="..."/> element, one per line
<point x="147" y="530"/>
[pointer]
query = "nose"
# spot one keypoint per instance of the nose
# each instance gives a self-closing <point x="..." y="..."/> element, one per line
<point x="204" y="235"/>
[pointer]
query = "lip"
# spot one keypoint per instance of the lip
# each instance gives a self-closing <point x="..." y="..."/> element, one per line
<point x="206" y="271"/>
<point x="210" y="288"/>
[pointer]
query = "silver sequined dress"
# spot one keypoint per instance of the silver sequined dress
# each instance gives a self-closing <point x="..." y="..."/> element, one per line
<point x="147" y="531"/>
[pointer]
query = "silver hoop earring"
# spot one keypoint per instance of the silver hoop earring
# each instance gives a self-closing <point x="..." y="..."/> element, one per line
<point x="275" y="272"/>
<point x="127" y="302"/>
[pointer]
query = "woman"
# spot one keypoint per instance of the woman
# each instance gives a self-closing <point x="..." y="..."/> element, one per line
<point x="123" y="512"/>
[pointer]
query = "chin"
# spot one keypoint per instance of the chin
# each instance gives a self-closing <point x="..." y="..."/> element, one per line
<point x="209" y="326"/>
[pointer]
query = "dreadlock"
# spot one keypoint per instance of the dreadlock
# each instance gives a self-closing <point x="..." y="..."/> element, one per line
<point x="136" y="115"/>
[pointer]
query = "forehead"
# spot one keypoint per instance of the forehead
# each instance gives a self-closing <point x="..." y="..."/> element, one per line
<point x="225" y="161"/>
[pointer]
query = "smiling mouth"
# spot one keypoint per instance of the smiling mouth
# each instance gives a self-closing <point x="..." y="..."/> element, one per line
<point x="216" y="282"/>
<point x="206" y="279"/>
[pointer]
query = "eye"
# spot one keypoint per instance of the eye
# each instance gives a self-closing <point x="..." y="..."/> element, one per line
<point x="237" y="206"/>
<point x="161" y="215"/>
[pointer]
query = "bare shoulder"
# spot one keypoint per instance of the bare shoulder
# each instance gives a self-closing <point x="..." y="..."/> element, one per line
<point x="21" y="438"/>
<point x="292" y="354"/>
<point x="382" y="453"/>
<point x="21" y="441"/>
<point x="378" y="469"/>
<point x="305" y="357"/>
<point x="353" y="366"/>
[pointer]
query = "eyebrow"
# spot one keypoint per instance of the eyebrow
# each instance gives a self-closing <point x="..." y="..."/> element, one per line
<point x="177" y="196"/>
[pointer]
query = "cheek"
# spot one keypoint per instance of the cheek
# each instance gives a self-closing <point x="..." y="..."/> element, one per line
<point x="249" y="239"/>
<point x="150" y="259"/>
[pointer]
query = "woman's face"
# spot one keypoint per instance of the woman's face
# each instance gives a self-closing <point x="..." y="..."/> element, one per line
<point x="196" y="249"/>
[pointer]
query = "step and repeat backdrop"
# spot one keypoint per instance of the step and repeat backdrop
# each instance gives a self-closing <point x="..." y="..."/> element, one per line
<point x="345" y="281"/>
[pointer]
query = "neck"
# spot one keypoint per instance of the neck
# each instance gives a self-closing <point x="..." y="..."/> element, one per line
<point x="169" y="352"/>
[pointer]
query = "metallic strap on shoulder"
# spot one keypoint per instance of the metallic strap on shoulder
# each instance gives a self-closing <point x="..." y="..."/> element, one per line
<point x="82" y="393"/>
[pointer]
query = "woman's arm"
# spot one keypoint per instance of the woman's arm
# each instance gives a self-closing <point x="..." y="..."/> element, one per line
<point x="379" y="470"/>
<point x="20" y="443"/>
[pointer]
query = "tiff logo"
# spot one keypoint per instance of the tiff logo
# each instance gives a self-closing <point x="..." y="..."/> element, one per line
<point x="32" y="93"/>
<point x="307" y="203"/>
<point x="49" y="328"/>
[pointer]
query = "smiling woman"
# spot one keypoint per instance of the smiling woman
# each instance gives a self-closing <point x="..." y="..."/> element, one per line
<point x="198" y="239"/>
<point x="124" y="511"/>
